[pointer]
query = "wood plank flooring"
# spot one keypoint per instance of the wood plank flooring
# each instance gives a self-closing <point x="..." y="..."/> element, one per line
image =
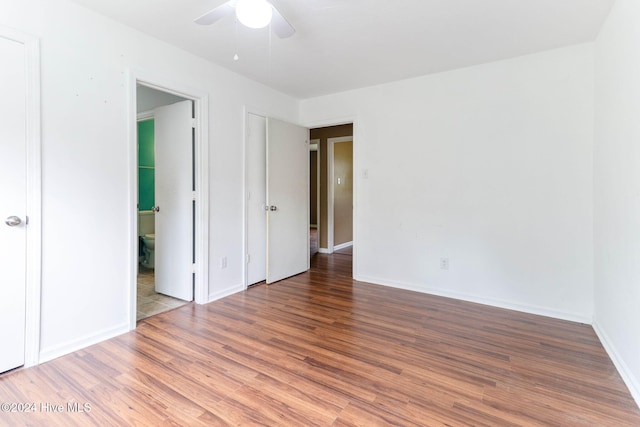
<point x="319" y="349"/>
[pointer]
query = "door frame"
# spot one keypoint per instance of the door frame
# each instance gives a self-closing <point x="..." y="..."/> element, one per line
<point x="33" y="271"/>
<point x="201" y="241"/>
<point x="245" y="190"/>
<point x="331" y="189"/>
<point x="316" y="142"/>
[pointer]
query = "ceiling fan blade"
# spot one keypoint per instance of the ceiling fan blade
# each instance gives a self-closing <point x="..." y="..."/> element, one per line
<point x="280" y="26"/>
<point x="216" y="14"/>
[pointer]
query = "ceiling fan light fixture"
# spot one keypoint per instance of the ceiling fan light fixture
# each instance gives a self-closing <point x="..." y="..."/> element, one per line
<point x="254" y="13"/>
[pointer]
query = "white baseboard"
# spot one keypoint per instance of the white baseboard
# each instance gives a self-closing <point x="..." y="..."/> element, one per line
<point x="324" y="251"/>
<point x="342" y="246"/>
<point x="540" y="311"/>
<point x="225" y="292"/>
<point x="75" y="345"/>
<point x="313" y="225"/>
<point x="633" y="383"/>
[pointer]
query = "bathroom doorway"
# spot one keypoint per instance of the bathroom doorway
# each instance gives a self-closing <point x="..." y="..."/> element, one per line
<point x="158" y="114"/>
<point x="152" y="92"/>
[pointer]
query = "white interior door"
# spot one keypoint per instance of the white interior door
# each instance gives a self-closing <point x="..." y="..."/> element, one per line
<point x="287" y="199"/>
<point x="12" y="204"/>
<point x="174" y="200"/>
<point x="256" y="141"/>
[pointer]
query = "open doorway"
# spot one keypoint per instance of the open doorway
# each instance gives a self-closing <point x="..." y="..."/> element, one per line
<point x="336" y="188"/>
<point x="169" y="226"/>
<point x="151" y="299"/>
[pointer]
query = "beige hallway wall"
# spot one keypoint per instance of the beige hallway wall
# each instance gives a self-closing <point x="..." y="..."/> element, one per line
<point x="342" y="192"/>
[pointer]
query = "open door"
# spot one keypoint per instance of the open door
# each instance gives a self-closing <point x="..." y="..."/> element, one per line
<point x="174" y="200"/>
<point x="287" y="200"/>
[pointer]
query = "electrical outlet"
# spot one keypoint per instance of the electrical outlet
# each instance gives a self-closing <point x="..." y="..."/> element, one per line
<point x="444" y="263"/>
<point x="223" y="262"/>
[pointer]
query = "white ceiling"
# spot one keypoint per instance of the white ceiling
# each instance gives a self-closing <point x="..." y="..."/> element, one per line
<point x="347" y="44"/>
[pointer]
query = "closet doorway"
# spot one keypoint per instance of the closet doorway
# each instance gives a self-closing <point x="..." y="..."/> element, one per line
<point x="277" y="199"/>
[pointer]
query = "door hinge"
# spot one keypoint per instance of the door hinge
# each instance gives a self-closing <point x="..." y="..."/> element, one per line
<point x="194" y="123"/>
<point x="248" y="258"/>
<point x="193" y="195"/>
<point x="193" y="268"/>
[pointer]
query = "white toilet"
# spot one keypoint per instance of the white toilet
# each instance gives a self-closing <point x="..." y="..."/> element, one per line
<point x="149" y="249"/>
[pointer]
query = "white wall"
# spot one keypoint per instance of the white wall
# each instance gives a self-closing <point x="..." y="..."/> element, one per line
<point x="85" y="58"/>
<point x="617" y="190"/>
<point x="489" y="166"/>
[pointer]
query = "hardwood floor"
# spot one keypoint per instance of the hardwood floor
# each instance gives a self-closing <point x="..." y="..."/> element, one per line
<point x="321" y="349"/>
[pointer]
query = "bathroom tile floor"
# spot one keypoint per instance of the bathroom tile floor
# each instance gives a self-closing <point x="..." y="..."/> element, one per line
<point x="150" y="302"/>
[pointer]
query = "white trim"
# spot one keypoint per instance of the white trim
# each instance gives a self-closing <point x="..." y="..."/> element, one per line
<point x="226" y="292"/>
<point x="246" y="110"/>
<point x="323" y="251"/>
<point x="331" y="189"/>
<point x="33" y="270"/>
<point x="34" y="204"/>
<point x="343" y="246"/>
<point x="316" y="142"/>
<point x="347" y="138"/>
<point x="201" y="107"/>
<point x="347" y="120"/>
<point x="531" y="309"/>
<point x="633" y="384"/>
<point x="78" y="344"/>
<point x="145" y="115"/>
<point x="307" y="201"/>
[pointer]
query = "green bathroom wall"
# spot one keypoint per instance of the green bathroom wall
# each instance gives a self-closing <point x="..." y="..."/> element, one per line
<point x="146" y="165"/>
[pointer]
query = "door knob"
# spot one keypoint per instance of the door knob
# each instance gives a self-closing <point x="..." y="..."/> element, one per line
<point x="156" y="208"/>
<point x="13" y="221"/>
<point x="273" y="208"/>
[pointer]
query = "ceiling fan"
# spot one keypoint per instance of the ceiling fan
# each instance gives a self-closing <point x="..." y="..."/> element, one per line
<point x="251" y="13"/>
